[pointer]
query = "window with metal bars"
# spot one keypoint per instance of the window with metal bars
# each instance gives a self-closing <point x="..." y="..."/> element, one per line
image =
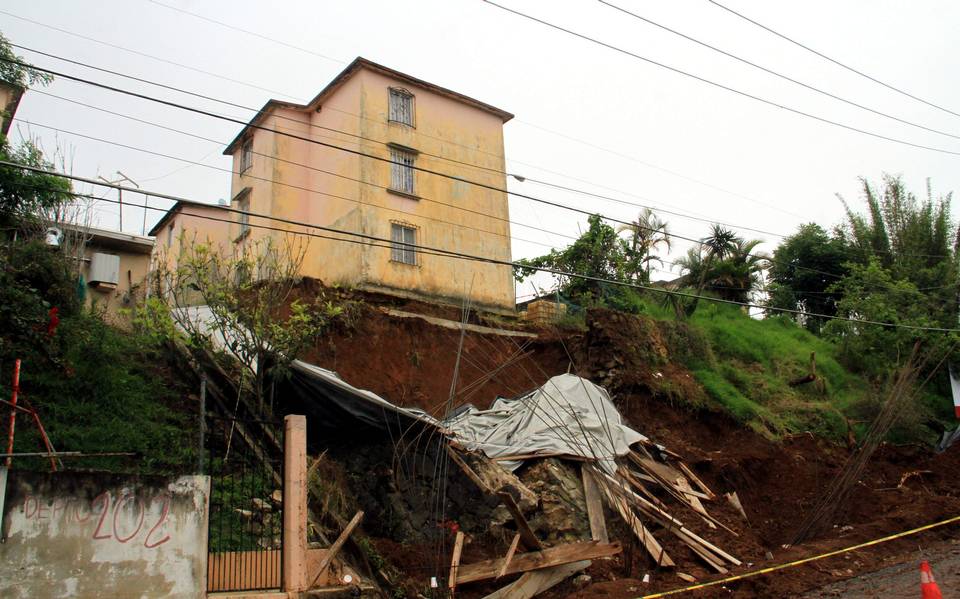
<point x="401" y="171"/>
<point x="404" y="240"/>
<point x="246" y="156"/>
<point x="401" y="106"/>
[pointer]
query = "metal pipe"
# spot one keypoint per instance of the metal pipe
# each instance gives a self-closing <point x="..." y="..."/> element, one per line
<point x="13" y="411"/>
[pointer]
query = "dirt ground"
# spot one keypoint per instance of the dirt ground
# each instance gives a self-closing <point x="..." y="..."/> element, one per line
<point x="777" y="482"/>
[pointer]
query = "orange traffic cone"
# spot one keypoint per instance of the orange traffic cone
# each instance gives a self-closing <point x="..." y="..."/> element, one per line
<point x="928" y="586"/>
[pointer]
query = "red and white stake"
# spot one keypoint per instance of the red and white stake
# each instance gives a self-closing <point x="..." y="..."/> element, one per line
<point x="13" y="410"/>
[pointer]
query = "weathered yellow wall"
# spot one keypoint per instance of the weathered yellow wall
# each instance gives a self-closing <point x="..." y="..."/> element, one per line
<point x="129" y="289"/>
<point x="316" y="184"/>
<point x="191" y="224"/>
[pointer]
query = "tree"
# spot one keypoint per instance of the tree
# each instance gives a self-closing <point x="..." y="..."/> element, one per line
<point x="723" y="263"/>
<point x="17" y="74"/>
<point x="870" y="292"/>
<point x="598" y="253"/>
<point x="245" y="304"/>
<point x="646" y="234"/>
<point x="803" y="268"/>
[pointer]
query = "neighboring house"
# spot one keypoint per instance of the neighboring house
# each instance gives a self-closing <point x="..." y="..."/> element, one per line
<point x="114" y="268"/>
<point x="10" y="95"/>
<point x="187" y="224"/>
<point x="407" y="123"/>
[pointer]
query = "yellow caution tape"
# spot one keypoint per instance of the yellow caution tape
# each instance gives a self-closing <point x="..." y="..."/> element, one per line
<point x="802" y="561"/>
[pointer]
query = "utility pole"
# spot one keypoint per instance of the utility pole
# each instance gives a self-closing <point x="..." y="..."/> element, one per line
<point x="124" y="178"/>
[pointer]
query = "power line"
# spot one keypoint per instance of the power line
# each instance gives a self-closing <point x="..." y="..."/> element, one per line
<point x="248" y="32"/>
<point x="775" y="73"/>
<point x="720" y="85"/>
<point x="145" y="55"/>
<point x="379" y="158"/>
<point x="360" y="153"/>
<point x="574" y="139"/>
<point x="436" y="156"/>
<point x="442" y="252"/>
<point x="834" y="61"/>
<point x="298" y="187"/>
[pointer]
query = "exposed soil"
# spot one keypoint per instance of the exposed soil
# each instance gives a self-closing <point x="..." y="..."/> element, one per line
<point x="411" y="363"/>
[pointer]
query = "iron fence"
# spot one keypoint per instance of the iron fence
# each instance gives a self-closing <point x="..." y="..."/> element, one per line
<point x="245" y="467"/>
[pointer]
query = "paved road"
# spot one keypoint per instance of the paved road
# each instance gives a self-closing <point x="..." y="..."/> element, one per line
<point x="901" y="580"/>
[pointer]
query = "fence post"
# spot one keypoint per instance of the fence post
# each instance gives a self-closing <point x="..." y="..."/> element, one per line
<point x="201" y="457"/>
<point x="295" y="503"/>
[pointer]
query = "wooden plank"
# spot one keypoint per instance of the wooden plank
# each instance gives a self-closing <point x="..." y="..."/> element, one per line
<point x="645" y="537"/>
<point x="591" y="493"/>
<point x="510" y="552"/>
<point x="695" y="502"/>
<point x="536" y="560"/>
<point x="468" y="470"/>
<point x="337" y="545"/>
<point x="696" y="480"/>
<point x="531" y="584"/>
<point x="490" y="477"/>
<point x="530" y="540"/>
<point x="455" y="560"/>
<point x="689" y="492"/>
<point x="668" y="521"/>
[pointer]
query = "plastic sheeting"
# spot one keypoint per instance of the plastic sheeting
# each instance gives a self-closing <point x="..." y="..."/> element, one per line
<point x="568" y="415"/>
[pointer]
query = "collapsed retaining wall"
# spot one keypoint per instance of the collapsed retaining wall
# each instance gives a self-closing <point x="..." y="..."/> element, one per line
<point x="71" y="534"/>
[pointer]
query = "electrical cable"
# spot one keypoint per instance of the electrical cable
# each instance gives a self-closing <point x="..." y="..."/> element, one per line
<point x="834" y="61"/>
<point x="721" y="85"/>
<point x="364" y="237"/>
<point x="775" y="73"/>
<point x="385" y="143"/>
<point x="360" y="153"/>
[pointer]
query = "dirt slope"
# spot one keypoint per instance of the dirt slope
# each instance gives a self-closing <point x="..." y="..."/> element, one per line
<point x="411" y="363"/>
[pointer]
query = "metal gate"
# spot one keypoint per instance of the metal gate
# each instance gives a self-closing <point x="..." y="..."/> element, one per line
<point x="245" y="465"/>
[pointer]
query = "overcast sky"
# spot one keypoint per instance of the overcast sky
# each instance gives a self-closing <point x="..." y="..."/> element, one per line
<point x="586" y="116"/>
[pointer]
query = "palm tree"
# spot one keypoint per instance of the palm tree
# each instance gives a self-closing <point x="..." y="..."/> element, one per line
<point x="646" y="234"/>
<point x="724" y="260"/>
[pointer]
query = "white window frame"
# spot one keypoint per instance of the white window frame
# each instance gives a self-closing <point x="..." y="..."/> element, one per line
<point x="242" y="202"/>
<point x="403" y="238"/>
<point x="246" y="155"/>
<point x="402" y="171"/>
<point x="401" y="107"/>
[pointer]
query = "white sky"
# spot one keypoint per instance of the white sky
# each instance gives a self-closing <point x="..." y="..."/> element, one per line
<point x="777" y="169"/>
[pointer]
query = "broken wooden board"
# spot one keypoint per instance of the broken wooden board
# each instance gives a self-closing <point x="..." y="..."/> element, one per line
<point x="696" y="480"/>
<point x="531" y="584"/>
<point x="591" y="493"/>
<point x="530" y="540"/>
<point x="337" y="545"/>
<point x="645" y="537"/>
<point x="455" y="560"/>
<point x="490" y="478"/>
<point x="510" y="552"/>
<point x="694" y="502"/>
<point x="536" y="560"/>
<point x="734" y="500"/>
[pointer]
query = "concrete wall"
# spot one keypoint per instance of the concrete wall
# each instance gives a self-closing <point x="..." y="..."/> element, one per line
<point x="134" y="264"/>
<point x="102" y="535"/>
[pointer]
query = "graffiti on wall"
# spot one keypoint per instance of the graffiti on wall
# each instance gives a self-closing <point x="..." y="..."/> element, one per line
<point x="70" y="534"/>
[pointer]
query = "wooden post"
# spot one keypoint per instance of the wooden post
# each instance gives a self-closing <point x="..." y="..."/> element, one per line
<point x="201" y="453"/>
<point x="295" y="504"/>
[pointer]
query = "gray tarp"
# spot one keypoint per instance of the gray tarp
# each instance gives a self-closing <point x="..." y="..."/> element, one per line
<point x="568" y="415"/>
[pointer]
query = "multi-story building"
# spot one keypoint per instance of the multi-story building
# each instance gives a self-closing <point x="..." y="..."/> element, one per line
<point x="368" y="156"/>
